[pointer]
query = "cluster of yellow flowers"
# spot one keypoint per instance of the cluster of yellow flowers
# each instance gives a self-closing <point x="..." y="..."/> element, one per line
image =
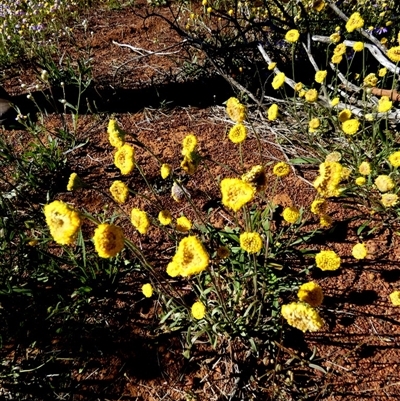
<point x="330" y="176"/>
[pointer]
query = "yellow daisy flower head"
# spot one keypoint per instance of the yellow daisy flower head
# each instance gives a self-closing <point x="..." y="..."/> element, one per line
<point x="340" y="49"/>
<point x="369" y="117"/>
<point x="359" y="251"/>
<point x="190" y="164"/>
<point x="314" y="124"/>
<point x="140" y="220"/>
<point x="198" y="310"/>
<point x="124" y="159"/>
<point x="189" y="144"/>
<point x="147" y="290"/>
<point x="389" y="200"/>
<point x="319" y="206"/>
<point x="346" y="172"/>
<point x="325" y="220"/>
<point x="360" y="181"/>
<point x="165" y="170"/>
<point x="336" y="58"/>
<point x="395" y="298"/>
<point x="394" y="159"/>
<point x="271" y="66"/>
<point x="119" y="191"/>
<point x="382" y="72"/>
<point x="384" y="183"/>
<point x="335" y="101"/>
<point x="251" y="242"/>
<point x="335" y="37"/>
<point x="358" y="46"/>
<point x="350" y="127"/>
<point x="74" y="182"/>
<point x="364" y="168"/>
<point x="302" y="93"/>
<point x="370" y="80"/>
<point x="333" y="157"/>
<point x="165" y="217"/>
<point x="173" y="269"/>
<point x="281" y="169"/>
<point x="63" y="222"/>
<point x="273" y="112"/>
<point x="116" y="136"/>
<point x="320" y="76"/>
<point x="236" y="193"/>
<point x="238" y="133"/>
<point x="311" y="95"/>
<point x="298" y="86"/>
<point x="223" y="252"/>
<point x="327" y="183"/>
<point x="291" y="214"/>
<point x="256" y="177"/>
<point x="278" y="80"/>
<point x="311" y="293"/>
<point x="108" y="240"/>
<point x="235" y="110"/>
<point x="302" y="316"/>
<point x="190" y="258"/>
<point x="183" y="224"/>
<point x="384" y="104"/>
<point x="292" y="36"/>
<point x="394" y="54"/>
<point x="344" y="115"/>
<point x="327" y="260"/>
<point x="354" y="22"/>
<point x="318" y="5"/>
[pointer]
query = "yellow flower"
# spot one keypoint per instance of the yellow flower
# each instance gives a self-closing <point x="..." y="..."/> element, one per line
<point x="183" y="224"/>
<point x="359" y="251"/>
<point x="345" y="173"/>
<point x="364" y="168"/>
<point x="298" y="86"/>
<point x="140" y="220"/>
<point x="281" y="169"/>
<point x="189" y="144"/>
<point x="384" y="104"/>
<point x="271" y="66"/>
<point x="238" y="133"/>
<point x="302" y="316"/>
<point x="313" y="125"/>
<point x="278" y="80"/>
<point x="63" y="222"/>
<point x="235" y="110"/>
<point x="350" y="127"/>
<point x="223" y="252"/>
<point x="236" y="193"/>
<point x="147" y="290"/>
<point x="319" y="206"/>
<point x="358" y="46"/>
<point x="327" y="260"/>
<point x="339" y="50"/>
<point x="190" y="258"/>
<point x="124" y="159"/>
<point x="74" y="182"/>
<point x="370" y="80"/>
<point x="369" y="117"/>
<point x="209" y="10"/>
<point x="382" y="72"/>
<point x="119" y="191"/>
<point x="198" y="310"/>
<point x="360" y="181"/>
<point x="165" y="171"/>
<point x="354" y="22"/>
<point x="318" y="5"/>
<point x="302" y="93"/>
<point x="394" y="54"/>
<point x="389" y="200"/>
<point x="273" y="112"/>
<point x="251" y="242"/>
<point x="320" y="76"/>
<point x="344" y="115"/>
<point x="311" y="293"/>
<point x="327" y="183"/>
<point x="116" y="136"/>
<point x="189" y="165"/>
<point x="325" y="220"/>
<point x="256" y="177"/>
<point x="292" y="36"/>
<point x="333" y="157"/>
<point x="335" y="37"/>
<point x="165" y="217"/>
<point x="335" y="101"/>
<point x="384" y="183"/>
<point x="311" y="95"/>
<point x="336" y="58"/>
<point x="395" y="298"/>
<point x="291" y="214"/>
<point x="108" y="240"/>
